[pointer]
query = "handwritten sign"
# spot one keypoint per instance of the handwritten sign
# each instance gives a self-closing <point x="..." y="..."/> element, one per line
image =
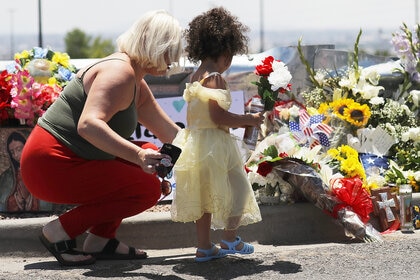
<point x="176" y="108"/>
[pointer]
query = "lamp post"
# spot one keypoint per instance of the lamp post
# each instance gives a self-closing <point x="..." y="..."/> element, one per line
<point x="261" y="26"/>
<point x="12" y="31"/>
<point x="40" y="43"/>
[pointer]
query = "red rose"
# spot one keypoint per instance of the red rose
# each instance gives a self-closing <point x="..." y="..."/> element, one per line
<point x="264" y="168"/>
<point x="265" y="68"/>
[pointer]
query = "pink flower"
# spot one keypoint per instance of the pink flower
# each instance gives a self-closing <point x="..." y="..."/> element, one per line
<point x="30" y="99"/>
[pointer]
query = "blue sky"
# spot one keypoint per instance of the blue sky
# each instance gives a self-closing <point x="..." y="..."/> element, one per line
<point x="102" y="16"/>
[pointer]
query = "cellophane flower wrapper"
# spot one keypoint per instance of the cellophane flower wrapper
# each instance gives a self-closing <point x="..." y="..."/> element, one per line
<point x="307" y="183"/>
<point x="352" y="193"/>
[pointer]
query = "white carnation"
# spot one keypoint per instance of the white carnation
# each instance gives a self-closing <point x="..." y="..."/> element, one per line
<point x="280" y="77"/>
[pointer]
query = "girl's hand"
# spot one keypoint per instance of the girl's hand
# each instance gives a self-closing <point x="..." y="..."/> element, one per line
<point x="255" y="119"/>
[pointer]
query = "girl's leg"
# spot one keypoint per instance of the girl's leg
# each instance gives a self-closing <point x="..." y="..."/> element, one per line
<point x="206" y="250"/>
<point x="203" y="232"/>
<point x="230" y="236"/>
<point x="238" y="184"/>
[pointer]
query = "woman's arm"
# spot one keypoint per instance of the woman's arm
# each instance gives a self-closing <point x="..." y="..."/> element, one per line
<point x="110" y="92"/>
<point x="153" y="117"/>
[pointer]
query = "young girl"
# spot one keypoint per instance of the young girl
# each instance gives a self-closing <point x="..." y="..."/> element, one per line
<point x="212" y="187"/>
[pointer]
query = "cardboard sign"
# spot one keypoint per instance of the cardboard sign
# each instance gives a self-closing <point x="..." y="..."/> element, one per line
<point x="176" y="108"/>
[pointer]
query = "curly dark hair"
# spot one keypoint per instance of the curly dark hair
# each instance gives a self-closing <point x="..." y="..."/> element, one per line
<point x="214" y="33"/>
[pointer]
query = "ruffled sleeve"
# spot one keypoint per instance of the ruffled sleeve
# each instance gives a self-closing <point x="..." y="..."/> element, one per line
<point x="196" y="90"/>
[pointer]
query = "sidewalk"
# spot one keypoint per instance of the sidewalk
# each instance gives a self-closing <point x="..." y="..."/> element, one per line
<point x="293" y="242"/>
<point x="293" y="224"/>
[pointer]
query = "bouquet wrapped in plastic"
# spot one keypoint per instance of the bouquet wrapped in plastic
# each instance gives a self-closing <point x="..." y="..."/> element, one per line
<point x="348" y="203"/>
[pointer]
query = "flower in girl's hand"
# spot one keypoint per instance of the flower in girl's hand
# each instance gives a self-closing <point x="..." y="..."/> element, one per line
<point x="274" y="79"/>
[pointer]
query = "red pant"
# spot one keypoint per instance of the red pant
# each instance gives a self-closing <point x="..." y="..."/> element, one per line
<point x="105" y="191"/>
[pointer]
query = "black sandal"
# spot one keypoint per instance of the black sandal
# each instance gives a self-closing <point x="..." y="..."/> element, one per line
<point x="65" y="247"/>
<point x="108" y="252"/>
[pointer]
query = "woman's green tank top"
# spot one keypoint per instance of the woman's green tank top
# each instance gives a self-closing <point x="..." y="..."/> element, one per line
<point x="63" y="115"/>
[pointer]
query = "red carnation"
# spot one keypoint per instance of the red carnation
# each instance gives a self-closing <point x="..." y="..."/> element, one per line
<point x="265" y="68"/>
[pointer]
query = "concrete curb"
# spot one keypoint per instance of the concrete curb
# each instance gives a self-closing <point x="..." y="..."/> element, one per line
<point x="293" y="224"/>
<point x="285" y="224"/>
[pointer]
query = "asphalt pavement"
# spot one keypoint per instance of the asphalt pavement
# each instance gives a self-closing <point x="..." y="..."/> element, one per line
<point x="296" y="241"/>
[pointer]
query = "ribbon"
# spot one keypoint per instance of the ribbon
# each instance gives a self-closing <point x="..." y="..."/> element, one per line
<point x="310" y="130"/>
<point x="351" y="193"/>
<point x="386" y="204"/>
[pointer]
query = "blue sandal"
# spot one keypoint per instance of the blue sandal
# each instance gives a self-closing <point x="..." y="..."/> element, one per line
<point x="246" y="249"/>
<point x="210" y="254"/>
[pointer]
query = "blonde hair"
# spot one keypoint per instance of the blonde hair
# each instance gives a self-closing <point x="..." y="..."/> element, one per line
<point x="151" y="38"/>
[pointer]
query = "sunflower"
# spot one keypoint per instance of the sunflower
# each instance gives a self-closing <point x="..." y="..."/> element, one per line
<point x="338" y="106"/>
<point x="357" y="114"/>
<point x="351" y="111"/>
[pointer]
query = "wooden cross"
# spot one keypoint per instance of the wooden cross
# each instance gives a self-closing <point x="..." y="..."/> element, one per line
<point x="386" y="207"/>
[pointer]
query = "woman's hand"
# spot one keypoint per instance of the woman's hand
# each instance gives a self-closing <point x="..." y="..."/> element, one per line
<point x="148" y="159"/>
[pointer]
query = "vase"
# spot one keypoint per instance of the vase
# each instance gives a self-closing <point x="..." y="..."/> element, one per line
<point x="251" y="133"/>
<point x="406" y="209"/>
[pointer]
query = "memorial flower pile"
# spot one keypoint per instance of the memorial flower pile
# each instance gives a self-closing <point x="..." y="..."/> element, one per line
<point x="403" y="110"/>
<point x="32" y="83"/>
<point x="347" y="138"/>
<point x="374" y="124"/>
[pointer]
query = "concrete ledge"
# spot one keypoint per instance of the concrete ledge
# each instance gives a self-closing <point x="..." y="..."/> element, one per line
<point x="300" y="223"/>
<point x="293" y="224"/>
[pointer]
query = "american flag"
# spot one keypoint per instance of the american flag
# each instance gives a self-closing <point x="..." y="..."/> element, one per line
<point x="310" y="130"/>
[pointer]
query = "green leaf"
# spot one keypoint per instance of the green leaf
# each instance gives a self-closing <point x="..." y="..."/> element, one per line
<point x="271" y="151"/>
<point x="399" y="174"/>
<point x="50" y="55"/>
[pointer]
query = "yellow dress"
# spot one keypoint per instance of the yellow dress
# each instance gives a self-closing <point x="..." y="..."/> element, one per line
<point x="209" y="174"/>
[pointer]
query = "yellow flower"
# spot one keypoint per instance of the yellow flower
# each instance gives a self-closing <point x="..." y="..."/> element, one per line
<point x="334" y="153"/>
<point x="62" y="59"/>
<point x="348" y="158"/>
<point x="357" y="114"/>
<point x="339" y="105"/>
<point x="350" y="111"/>
<point x="23" y="55"/>
<point x="312" y="111"/>
<point x="52" y="81"/>
<point x="323" y="108"/>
